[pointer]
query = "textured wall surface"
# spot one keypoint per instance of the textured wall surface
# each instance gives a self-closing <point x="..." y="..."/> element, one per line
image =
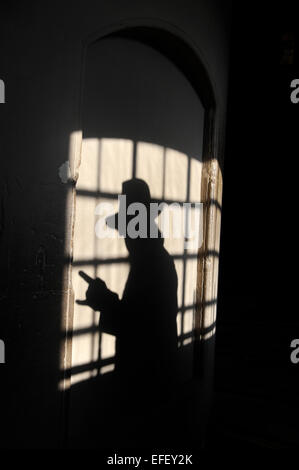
<point x="41" y="65"/>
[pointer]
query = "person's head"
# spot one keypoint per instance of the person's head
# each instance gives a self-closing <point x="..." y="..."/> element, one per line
<point x="134" y="220"/>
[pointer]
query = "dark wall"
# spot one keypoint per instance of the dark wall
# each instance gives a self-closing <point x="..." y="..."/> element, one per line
<point x="256" y="400"/>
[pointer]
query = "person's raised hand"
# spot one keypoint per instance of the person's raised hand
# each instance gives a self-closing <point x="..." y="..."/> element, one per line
<point x="95" y="294"/>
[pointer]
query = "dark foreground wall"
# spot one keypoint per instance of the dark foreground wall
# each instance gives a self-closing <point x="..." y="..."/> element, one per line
<point x="256" y="382"/>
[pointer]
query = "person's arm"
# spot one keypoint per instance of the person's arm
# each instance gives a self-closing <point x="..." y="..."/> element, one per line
<point x="102" y="299"/>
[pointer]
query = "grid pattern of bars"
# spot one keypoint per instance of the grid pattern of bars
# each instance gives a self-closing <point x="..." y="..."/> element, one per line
<point x="185" y="178"/>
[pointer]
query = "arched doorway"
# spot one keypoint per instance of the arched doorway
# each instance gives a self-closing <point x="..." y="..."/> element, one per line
<point x="142" y="118"/>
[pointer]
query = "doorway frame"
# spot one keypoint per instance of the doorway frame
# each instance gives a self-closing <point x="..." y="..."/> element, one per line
<point x="177" y="46"/>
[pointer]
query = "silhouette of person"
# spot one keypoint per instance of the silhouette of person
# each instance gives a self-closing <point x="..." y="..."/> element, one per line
<point x="144" y="319"/>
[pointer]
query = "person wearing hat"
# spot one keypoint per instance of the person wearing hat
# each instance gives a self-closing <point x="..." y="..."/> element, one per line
<point x="144" y="319"/>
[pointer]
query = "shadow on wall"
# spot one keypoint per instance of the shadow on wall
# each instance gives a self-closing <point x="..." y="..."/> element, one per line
<point x="132" y="363"/>
<point x="143" y="322"/>
<point x="130" y="360"/>
<point x="141" y="118"/>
